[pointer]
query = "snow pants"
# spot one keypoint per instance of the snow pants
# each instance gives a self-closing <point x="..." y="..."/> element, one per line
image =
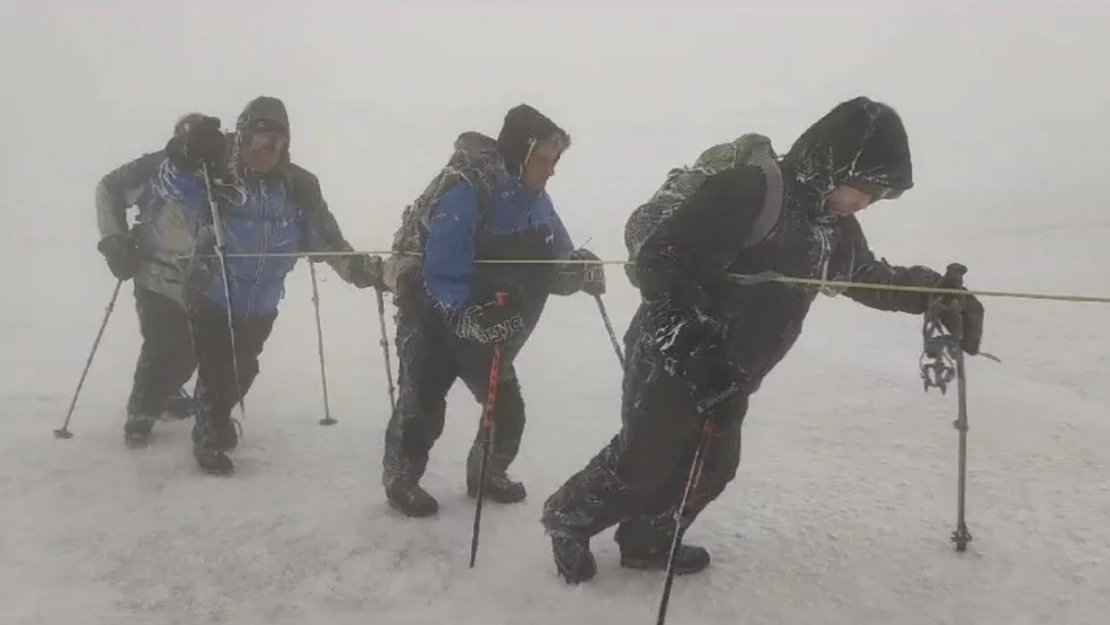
<point x="432" y="359"/>
<point x="637" y="480"/>
<point x="166" y="358"/>
<point x="218" y="388"/>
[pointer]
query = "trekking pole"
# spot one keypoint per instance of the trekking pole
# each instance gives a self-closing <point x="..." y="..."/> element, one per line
<point x="63" y="432"/>
<point x="947" y="358"/>
<point x="221" y="254"/>
<point x="679" y="516"/>
<point x="961" y="536"/>
<point x="384" y="342"/>
<point x="487" y="436"/>
<point x="327" y="420"/>
<point x="609" y="329"/>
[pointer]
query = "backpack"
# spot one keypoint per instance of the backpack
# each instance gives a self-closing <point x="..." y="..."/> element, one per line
<point x="475" y="161"/>
<point x="682" y="182"/>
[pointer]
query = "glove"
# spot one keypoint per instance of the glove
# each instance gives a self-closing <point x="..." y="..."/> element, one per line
<point x="367" y="271"/>
<point x="574" y="276"/>
<point x="969" y="320"/>
<point x="490" y="322"/>
<point x="711" y="377"/>
<point x="122" y="254"/>
<point x="593" y="274"/>
<point x="200" y="143"/>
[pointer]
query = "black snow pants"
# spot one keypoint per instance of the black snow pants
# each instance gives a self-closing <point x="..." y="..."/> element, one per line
<point x="637" y="480"/>
<point x="218" y="387"/>
<point x="166" y="358"/>
<point x="432" y="359"/>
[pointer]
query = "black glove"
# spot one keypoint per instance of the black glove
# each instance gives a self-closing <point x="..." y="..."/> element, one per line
<point x="490" y="322"/>
<point x="122" y="254"/>
<point x="710" y="374"/>
<point x="969" y="321"/>
<point x="367" y="271"/>
<point x="593" y="273"/>
<point x="200" y="143"/>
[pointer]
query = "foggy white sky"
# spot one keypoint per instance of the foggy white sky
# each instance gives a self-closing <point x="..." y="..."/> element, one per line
<point x="1004" y="104"/>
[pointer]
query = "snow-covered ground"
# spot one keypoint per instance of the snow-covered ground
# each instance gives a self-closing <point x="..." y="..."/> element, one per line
<point x="845" y="500"/>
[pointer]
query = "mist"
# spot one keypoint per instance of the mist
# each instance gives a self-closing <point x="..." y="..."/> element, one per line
<point x="1005" y="107"/>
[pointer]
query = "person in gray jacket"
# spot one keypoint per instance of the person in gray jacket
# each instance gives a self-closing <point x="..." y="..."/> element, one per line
<point x="166" y="359"/>
<point x="152" y="253"/>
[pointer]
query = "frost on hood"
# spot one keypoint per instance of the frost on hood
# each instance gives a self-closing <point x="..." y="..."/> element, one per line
<point x="859" y="140"/>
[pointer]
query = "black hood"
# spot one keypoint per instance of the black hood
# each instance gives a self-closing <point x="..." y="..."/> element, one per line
<point x="860" y="140"/>
<point x="264" y="113"/>
<point x="523" y="127"/>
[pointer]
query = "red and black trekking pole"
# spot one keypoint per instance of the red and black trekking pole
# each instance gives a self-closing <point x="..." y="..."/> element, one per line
<point x="679" y="516"/>
<point x="706" y="408"/>
<point x="487" y="436"/>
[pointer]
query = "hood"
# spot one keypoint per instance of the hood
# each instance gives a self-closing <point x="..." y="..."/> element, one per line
<point x="262" y="113"/>
<point x="860" y="140"/>
<point x="522" y="129"/>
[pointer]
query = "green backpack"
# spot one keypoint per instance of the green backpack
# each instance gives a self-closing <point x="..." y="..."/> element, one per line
<point x="682" y="182"/>
<point x="475" y="161"/>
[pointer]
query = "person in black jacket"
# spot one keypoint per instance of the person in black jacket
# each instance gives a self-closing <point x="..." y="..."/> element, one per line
<point x="702" y="339"/>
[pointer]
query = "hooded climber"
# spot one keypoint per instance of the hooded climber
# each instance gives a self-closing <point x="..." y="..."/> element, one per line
<point x="488" y="203"/>
<point x="265" y="205"/>
<point x="700" y="344"/>
<point x="166" y="360"/>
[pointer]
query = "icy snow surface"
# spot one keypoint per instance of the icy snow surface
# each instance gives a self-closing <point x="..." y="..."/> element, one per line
<point x="843" y="507"/>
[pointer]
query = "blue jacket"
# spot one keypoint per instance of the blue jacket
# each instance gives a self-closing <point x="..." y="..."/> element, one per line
<point x="458" y="235"/>
<point x="258" y="216"/>
<point x="278" y="214"/>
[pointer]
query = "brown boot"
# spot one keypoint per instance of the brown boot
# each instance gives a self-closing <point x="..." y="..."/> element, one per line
<point x="410" y="499"/>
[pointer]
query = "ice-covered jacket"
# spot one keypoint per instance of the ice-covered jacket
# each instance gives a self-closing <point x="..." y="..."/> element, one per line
<point x="279" y="213"/>
<point x="519" y="224"/>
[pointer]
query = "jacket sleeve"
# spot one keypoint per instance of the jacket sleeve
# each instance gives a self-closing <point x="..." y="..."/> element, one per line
<point x="450" y="250"/>
<point x="690" y="251"/>
<point x="322" y="232"/>
<point x="868" y="269"/>
<point x="563" y="245"/>
<point x="568" y="276"/>
<point x="120" y="189"/>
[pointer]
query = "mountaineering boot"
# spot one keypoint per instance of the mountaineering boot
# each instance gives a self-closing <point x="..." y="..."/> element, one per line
<point x="137" y="429"/>
<point x="645" y="544"/>
<point x="689" y="559"/>
<point x="180" y="406"/>
<point x="410" y="499"/>
<point x="211" y="442"/>
<point x="499" y="487"/>
<point x="573" y="560"/>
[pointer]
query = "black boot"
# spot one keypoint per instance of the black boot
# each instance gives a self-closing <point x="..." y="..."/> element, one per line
<point x="645" y="544"/>
<point x="689" y="559"/>
<point x="573" y="560"/>
<point x="211" y="442"/>
<point x="499" y="486"/>
<point x="137" y="429"/>
<point x="410" y="499"/>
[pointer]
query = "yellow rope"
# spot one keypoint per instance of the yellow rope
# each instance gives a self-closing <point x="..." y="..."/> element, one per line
<point x="1095" y="299"/>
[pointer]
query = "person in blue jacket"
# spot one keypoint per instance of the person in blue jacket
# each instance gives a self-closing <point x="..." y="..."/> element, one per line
<point x="264" y="204"/>
<point x="488" y="204"/>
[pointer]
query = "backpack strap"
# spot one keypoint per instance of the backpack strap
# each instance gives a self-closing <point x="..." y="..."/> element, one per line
<point x="772" y="200"/>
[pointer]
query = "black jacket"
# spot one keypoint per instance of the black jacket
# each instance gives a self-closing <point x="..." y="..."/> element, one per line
<point x="688" y="298"/>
